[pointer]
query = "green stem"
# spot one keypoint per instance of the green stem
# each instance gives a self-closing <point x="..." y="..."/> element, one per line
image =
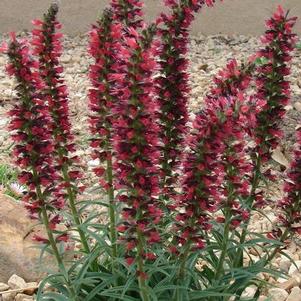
<point x="52" y="241"/>
<point x="220" y="265"/>
<point x="141" y="280"/>
<point x="181" y="273"/>
<point x="56" y="253"/>
<point x="112" y="209"/>
<point x="183" y="260"/>
<point x="255" y="183"/>
<point x="74" y="212"/>
<point x="282" y="239"/>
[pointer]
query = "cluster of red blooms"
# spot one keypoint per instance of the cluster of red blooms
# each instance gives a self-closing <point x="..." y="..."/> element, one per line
<point x="231" y="83"/>
<point x="47" y="46"/>
<point x="217" y="159"/>
<point x="136" y="137"/>
<point x="128" y="12"/>
<point x="30" y="121"/>
<point x="291" y="203"/>
<point x="173" y="88"/>
<point x="271" y="84"/>
<point x="231" y="80"/>
<point x="102" y="40"/>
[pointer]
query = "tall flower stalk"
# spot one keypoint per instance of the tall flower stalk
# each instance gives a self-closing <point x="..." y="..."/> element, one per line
<point x="48" y="48"/>
<point x="272" y="86"/>
<point x="102" y="40"/>
<point x="212" y="174"/>
<point x="30" y="121"/>
<point x="136" y="148"/>
<point x="173" y="88"/>
<point x="273" y="94"/>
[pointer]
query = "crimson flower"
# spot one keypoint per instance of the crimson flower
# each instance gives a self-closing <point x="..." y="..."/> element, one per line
<point x="29" y="124"/>
<point x="172" y="84"/>
<point x="216" y="171"/>
<point x="48" y="48"/>
<point x="128" y="12"/>
<point x="135" y="140"/>
<point x="103" y="36"/>
<point x="272" y="86"/>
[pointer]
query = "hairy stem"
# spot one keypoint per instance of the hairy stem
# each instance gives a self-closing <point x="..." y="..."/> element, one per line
<point x="251" y="198"/>
<point x="219" y="269"/>
<point x="141" y="279"/>
<point x="52" y="242"/>
<point x="112" y="208"/>
<point x="75" y="215"/>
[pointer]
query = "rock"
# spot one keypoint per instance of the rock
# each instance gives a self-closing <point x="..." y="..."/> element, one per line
<point x="297" y="106"/>
<point x="65" y="58"/>
<point x="295" y="267"/>
<point x="295" y="294"/>
<point x="3" y="287"/>
<point x="249" y="292"/>
<point x="9" y="296"/>
<point x="16" y="282"/>
<point x="262" y="298"/>
<point x="297" y="277"/>
<point x="23" y="297"/>
<point x="278" y="294"/>
<point x="287" y="285"/>
<point x="279" y="157"/>
<point x="17" y="255"/>
<point x="31" y="287"/>
<point x="284" y="264"/>
<point x="94" y="163"/>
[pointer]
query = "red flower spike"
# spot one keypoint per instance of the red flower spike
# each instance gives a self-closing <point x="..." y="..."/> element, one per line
<point x="48" y="48"/>
<point x="173" y="88"/>
<point x="135" y="137"/>
<point x="217" y="156"/>
<point x="103" y="36"/>
<point x="30" y="129"/>
<point x="272" y="86"/>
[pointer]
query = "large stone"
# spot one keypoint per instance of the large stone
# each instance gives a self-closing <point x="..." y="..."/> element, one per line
<point x="295" y="294"/>
<point x="3" y="287"/>
<point x="278" y="294"/>
<point x="17" y="255"/>
<point x="23" y="297"/>
<point x="31" y="287"/>
<point x="287" y="285"/>
<point x="295" y="268"/>
<point x="8" y="296"/>
<point x="16" y="282"/>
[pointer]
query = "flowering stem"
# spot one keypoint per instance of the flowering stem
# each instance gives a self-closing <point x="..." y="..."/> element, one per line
<point x="181" y="273"/>
<point x="281" y="239"/>
<point x="112" y="208"/>
<point x="219" y="268"/>
<point x="141" y="279"/>
<point x="185" y="254"/>
<point x="46" y="223"/>
<point x="255" y="183"/>
<point x="52" y="242"/>
<point x="74" y="212"/>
